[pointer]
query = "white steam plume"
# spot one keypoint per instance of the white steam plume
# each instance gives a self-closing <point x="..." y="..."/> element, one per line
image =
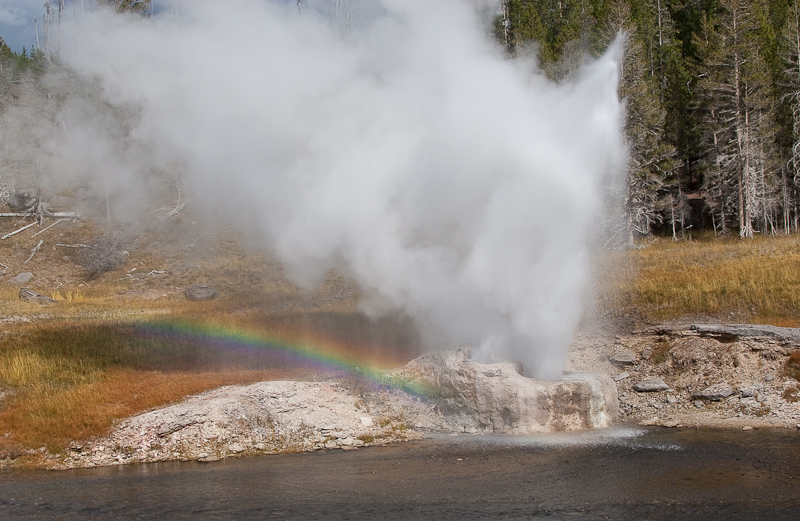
<point x="446" y="180"/>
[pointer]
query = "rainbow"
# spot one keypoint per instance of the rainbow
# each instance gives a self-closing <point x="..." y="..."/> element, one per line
<point x="304" y="350"/>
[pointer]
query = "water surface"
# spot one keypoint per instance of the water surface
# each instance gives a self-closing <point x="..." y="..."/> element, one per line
<point x="619" y="473"/>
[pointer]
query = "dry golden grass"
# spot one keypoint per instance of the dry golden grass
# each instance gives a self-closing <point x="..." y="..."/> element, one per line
<point x="53" y="417"/>
<point x="756" y="280"/>
<point x="71" y="381"/>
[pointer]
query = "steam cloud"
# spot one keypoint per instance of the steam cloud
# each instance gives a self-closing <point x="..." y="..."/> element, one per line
<point x="446" y="180"/>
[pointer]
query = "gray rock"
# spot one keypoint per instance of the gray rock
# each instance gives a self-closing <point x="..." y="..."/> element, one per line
<point x="496" y="398"/>
<point x="714" y="392"/>
<point x="622" y="376"/>
<point x="650" y="385"/>
<point x="733" y="331"/>
<point x="647" y="353"/>
<point x="623" y="358"/>
<point x="22" y="278"/>
<point x="200" y="292"/>
<point x="32" y="296"/>
<point x="207" y="458"/>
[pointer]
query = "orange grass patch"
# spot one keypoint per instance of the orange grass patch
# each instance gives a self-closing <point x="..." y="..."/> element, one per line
<point x="71" y="380"/>
<point x="54" y="418"/>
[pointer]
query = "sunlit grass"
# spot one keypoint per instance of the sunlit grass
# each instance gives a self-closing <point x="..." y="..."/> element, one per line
<point x="756" y="280"/>
<point x="70" y="296"/>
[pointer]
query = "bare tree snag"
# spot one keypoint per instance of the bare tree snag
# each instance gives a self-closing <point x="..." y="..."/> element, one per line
<point x="33" y="251"/>
<point x="171" y="212"/>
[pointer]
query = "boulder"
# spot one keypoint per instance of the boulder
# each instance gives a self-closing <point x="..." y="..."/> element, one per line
<point x="475" y="397"/>
<point x="650" y="385"/>
<point x="199" y="292"/>
<point x="714" y="393"/>
<point x="622" y="376"/>
<point x="22" y="278"/>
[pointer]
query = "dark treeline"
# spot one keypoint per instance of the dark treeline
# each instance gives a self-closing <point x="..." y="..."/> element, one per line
<point x="14" y="65"/>
<point x="712" y="89"/>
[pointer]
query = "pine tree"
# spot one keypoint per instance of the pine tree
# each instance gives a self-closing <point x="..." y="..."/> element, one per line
<point x="650" y="159"/>
<point x="790" y="53"/>
<point x="738" y="105"/>
<point x="560" y="31"/>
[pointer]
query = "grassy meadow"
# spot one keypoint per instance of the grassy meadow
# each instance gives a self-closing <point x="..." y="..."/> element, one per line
<point x="756" y="280"/>
<point x="69" y="370"/>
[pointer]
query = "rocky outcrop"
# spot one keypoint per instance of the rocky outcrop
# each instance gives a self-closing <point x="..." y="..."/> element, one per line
<point x="262" y="418"/>
<point x="476" y="397"/>
<point x="273" y="417"/>
<point x="714" y="375"/>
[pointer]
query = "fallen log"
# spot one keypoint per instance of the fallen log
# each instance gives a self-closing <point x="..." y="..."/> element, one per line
<point x="32" y="296"/>
<point x="42" y="231"/>
<point x="10" y="234"/>
<point x="65" y="215"/>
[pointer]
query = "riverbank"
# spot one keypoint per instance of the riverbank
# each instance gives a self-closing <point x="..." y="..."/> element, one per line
<point x="699" y="375"/>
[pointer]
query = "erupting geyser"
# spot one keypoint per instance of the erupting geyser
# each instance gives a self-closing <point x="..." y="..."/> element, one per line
<point x="447" y="180"/>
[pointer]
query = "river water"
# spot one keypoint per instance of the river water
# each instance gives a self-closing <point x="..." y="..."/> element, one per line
<point x="618" y="473"/>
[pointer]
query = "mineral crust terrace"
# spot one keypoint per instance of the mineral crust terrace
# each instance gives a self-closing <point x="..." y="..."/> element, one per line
<point x="288" y="416"/>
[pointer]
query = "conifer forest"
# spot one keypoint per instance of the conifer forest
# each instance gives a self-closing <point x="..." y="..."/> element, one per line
<point x="712" y="91"/>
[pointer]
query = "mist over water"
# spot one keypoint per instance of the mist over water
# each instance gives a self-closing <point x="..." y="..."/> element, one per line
<point x="446" y="180"/>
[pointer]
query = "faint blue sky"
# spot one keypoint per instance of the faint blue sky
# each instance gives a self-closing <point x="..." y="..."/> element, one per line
<point x="16" y="22"/>
<point x="16" y="16"/>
